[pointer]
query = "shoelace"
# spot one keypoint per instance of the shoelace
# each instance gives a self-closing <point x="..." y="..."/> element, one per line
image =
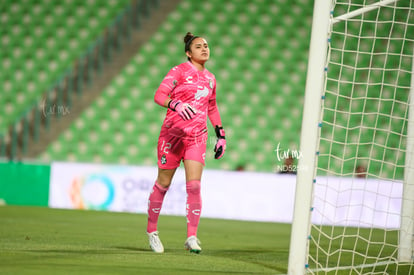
<point x="155" y="239"/>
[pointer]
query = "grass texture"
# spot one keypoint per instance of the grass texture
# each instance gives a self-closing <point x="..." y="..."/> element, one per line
<point x="38" y="240"/>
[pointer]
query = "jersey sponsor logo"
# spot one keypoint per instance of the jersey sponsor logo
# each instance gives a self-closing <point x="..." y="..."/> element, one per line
<point x="201" y="93"/>
<point x="189" y="79"/>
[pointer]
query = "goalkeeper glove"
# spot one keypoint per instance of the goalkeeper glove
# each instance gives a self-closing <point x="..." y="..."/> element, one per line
<point x="221" y="142"/>
<point x="184" y="110"/>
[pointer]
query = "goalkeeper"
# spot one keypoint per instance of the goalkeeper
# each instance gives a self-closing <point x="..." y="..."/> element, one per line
<point x="188" y="91"/>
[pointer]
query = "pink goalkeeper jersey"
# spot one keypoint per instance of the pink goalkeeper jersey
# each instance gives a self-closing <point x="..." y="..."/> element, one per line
<point x="198" y="88"/>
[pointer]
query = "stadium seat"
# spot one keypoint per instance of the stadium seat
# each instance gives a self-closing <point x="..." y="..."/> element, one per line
<point x="40" y="41"/>
<point x="259" y="52"/>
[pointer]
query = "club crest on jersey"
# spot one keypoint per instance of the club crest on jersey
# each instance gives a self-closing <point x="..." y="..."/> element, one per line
<point x="201" y="92"/>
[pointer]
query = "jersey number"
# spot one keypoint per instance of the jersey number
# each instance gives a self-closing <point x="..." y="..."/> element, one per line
<point x="165" y="147"/>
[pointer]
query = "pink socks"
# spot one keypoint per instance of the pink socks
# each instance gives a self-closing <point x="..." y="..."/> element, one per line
<point x="154" y="206"/>
<point x="193" y="207"/>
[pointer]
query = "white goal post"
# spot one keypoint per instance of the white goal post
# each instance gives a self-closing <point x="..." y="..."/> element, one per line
<point x="358" y="114"/>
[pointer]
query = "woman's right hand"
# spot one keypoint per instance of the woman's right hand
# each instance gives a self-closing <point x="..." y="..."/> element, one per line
<point x="184" y="110"/>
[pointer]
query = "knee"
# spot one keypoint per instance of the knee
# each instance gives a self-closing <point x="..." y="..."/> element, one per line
<point x="164" y="183"/>
<point x="193" y="187"/>
<point x="164" y="179"/>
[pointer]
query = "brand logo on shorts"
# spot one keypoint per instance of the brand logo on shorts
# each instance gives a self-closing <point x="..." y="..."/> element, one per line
<point x="163" y="159"/>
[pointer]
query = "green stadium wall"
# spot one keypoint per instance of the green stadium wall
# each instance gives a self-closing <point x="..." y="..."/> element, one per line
<point x="24" y="184"/>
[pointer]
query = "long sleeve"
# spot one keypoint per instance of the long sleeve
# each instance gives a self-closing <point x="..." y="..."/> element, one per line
<point x="167" y="86"/>
<point x="161" y="95"/>
<point x="213" y="112"/>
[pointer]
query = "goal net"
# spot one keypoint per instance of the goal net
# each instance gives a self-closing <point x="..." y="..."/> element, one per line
<point x="354" y="209"/>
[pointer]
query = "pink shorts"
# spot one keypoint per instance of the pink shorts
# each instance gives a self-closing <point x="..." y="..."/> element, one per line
<point x="172" y="149"/>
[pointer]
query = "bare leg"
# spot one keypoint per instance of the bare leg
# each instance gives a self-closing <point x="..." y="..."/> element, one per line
<point x="165" y="177"/>
<point x="193" y="170"/>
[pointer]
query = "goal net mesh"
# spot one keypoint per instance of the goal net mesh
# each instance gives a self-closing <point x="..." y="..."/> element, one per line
<point x="362" y="147"/>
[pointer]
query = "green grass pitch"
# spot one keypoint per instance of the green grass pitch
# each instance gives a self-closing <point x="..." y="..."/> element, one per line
<point x="38" y="240"/>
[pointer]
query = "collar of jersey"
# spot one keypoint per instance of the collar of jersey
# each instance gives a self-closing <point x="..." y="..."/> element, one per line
<point x="194" y="67"/>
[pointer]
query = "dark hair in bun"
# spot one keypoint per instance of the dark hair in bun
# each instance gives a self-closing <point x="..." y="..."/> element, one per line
<point x="188" y="38"/>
